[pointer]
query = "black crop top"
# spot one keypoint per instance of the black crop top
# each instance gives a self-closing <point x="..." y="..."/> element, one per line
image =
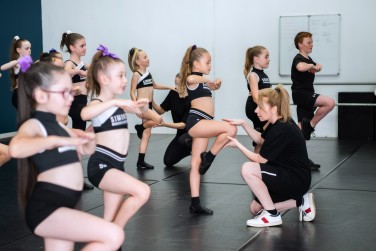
<point x="201" y="90"/>
<point x="77" y="78"/>
<point x="263" y="82"/>
<point x="56" y="157"/>
<point x="146" y="80"/>
<point x="111" y="119"/>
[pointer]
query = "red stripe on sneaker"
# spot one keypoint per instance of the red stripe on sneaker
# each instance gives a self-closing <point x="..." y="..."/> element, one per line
<point x="308" y="210"/>
<point x="264" y="220"/>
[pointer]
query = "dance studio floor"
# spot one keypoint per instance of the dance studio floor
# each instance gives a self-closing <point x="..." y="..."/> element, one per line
<point x="344" y="190"/>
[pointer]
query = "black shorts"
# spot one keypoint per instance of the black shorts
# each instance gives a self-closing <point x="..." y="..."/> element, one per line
<point x="45" y="199"/>
<point x="282" y="184"/>
<point x="305" y="104"/>
<point x="79" y="102"/>
<point x="194" y="116"/>
<point x="101" y="161"/>
<point x="250" y="108"/>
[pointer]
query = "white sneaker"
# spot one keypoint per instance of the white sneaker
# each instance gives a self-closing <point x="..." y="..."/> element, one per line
<point x="265" y="219"/>
<point x="307" y="211"/>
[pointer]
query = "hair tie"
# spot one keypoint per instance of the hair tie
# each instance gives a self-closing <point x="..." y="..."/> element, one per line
<point x="16" y="38"/>
<point x="25" y="63"/>
<point x="68" y="32"/>
<point x="277" y="90"/>
<point x="194" y="47"/>
<point x="51" y="51"/>
<point x="131" y="51"/>
<point x="106" y="53"/>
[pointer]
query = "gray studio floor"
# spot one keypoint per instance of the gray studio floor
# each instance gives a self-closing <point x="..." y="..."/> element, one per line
<point x="344" y="189"/>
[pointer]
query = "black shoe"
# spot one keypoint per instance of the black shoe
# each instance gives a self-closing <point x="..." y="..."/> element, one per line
<point x="205" y="164"/>
<point x="144" y="165"/>
<point x="307" y="129"/>
<point x="87" y="186"/>
<point x="140" y="130"/>
<point x="199" y="209"/>
<point x="313" y="166"/>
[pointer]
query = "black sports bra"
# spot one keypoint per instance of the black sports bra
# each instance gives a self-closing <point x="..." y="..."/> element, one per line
<point x="146" y="80"/>
<point x="77" y="78"/>
<point x="201" y="90"/>
<point x="56" y="157"/>
<point x="111" y="119"/>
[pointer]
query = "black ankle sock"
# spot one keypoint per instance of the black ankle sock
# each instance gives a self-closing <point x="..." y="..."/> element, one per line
<point x="141" y="158"/>
<point x="273" y="212"/>
<point x="195" y="201"/>
<point x="210" y="157"/>
<point x="299" y="202"/>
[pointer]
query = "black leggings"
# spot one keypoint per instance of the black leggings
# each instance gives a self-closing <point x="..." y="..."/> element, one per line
<point x="78" y="104"/>
<point x="175" y="152"/>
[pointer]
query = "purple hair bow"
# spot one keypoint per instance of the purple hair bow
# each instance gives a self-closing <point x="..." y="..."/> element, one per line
<point x="25" y="63"/>
<point x="105" y="51"/>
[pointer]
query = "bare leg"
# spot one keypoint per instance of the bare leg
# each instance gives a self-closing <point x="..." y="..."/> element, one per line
<point x="65" y="226"/>
<point x="325" y="105"/>
<point x="251" y="173"/>
<point x="115" y="184"/>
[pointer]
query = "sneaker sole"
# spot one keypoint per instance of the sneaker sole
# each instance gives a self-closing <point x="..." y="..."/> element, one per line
<point x="265" y="224"/>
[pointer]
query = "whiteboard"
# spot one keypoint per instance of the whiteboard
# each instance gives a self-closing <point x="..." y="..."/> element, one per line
<point x="325" y="31"/>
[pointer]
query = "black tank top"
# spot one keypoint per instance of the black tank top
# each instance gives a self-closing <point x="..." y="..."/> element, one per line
<point x="263" y="82"/>
<point x="56" y="157"/>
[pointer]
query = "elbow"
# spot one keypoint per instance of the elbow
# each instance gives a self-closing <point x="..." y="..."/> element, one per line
<point x="15" y="151"/>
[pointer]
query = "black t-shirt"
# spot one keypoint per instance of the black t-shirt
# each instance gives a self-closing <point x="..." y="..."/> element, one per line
<point x="302" y="81"/>
<point x="284" y="146"/>
<point x="178" y="106"/>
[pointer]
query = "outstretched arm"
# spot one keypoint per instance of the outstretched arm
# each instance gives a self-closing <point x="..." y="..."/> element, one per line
<point x="252" y="133"/>
<point x="9" y="65"/>
<point x="255" y="157"/>
<point x="30" y="140"/>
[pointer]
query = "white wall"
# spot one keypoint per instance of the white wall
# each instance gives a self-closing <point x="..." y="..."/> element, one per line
<point x="165" y="28"/>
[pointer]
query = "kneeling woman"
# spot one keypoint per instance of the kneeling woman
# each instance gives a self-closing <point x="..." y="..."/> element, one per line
<point x="279" y="176"/>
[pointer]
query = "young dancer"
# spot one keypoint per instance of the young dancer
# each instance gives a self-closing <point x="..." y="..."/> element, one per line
<point x="200" y="124"/>
<point x="303" y="72"/>
<point x="50" y="173"/>
<point x="142" y="86"/>
<point x="53" y="57"/>
<point x="106" y="79"/>
<point x="256" y="60"/>
<point x="279" y="175"/>
<point x="181" y="146"/>
<point x="76" y="46"/>
<point x="20" y="47"/>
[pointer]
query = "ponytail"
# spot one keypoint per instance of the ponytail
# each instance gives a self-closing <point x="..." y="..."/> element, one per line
<point x="14" y="55"/>
<point x="39" y="75"/>
<point x="249" y="55"/>
<point x="101" y="62"/>
<point x="68" y="38"/>
<point x="192" y="54"/>
<point x="132" y="57"/>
